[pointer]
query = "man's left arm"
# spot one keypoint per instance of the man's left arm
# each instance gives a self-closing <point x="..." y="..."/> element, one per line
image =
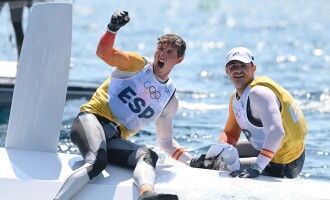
<point x="265" y="104"/>
<point x="164" y="126"/>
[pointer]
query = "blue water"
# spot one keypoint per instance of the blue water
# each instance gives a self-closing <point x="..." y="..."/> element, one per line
<point x="290" y="41"/>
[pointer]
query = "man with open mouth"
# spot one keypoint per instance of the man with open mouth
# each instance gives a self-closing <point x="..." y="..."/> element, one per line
<point x="137" y="92"/>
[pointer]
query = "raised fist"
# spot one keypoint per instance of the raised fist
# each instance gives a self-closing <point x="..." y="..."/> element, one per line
<point x="118" y="20"/>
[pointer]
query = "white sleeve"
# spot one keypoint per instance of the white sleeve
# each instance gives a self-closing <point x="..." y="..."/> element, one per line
<point x="266" y="107"/>
<point x="164" y="126"/>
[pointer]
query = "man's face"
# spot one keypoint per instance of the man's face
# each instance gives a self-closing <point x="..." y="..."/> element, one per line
<point x="240" y="74"/>
<point x="165" y="58"/>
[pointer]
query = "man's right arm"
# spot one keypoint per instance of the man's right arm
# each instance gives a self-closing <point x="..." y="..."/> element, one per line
<point x="124" y="61"/>
<point x="232" y="131"/>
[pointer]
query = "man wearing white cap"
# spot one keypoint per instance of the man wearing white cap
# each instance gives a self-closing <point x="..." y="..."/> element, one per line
<point x="267" y="114"/>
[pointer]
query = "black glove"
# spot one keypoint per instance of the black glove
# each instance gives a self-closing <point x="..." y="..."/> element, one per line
<point x="198" y="162"/>
<point x="118" y="20"/>
<point x="246" y="173"/>
<point x="153" y="195"/>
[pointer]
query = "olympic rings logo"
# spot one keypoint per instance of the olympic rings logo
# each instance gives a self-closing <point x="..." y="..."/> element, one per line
<point x="151" y="90"/>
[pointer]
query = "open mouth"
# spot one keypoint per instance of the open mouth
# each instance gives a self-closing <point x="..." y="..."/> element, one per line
<point x="160" y="64"/>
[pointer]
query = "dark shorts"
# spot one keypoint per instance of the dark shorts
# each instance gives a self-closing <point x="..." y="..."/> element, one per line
<point x="290" y="170"/>
<point x="250" y="154"/>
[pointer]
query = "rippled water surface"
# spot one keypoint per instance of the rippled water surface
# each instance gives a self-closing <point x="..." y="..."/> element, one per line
<point x="290" y="41"/>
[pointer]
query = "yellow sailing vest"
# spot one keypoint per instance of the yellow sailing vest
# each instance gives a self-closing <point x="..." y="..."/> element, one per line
<point x="293" y="120"/>
<point x="99" y="103"/>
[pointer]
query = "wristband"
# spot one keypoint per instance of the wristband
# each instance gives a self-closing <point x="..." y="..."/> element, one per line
<point x="256" y="167"/>
<point x="110" y="31"/>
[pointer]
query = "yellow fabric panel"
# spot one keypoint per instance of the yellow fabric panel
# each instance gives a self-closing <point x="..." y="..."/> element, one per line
<point x="292" y="144"/>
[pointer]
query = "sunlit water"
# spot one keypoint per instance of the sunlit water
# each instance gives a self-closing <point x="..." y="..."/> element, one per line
<point x="290" y="41"/>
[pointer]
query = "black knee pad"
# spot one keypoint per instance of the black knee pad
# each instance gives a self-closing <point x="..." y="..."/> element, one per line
<point x="100" y="163"/>
<point x="149" y="156"/>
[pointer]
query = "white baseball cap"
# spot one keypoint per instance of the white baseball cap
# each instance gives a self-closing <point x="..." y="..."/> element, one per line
<point x="239" y="53"/>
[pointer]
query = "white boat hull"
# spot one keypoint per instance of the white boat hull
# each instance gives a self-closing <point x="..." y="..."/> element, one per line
<point x="39" y="176"/>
